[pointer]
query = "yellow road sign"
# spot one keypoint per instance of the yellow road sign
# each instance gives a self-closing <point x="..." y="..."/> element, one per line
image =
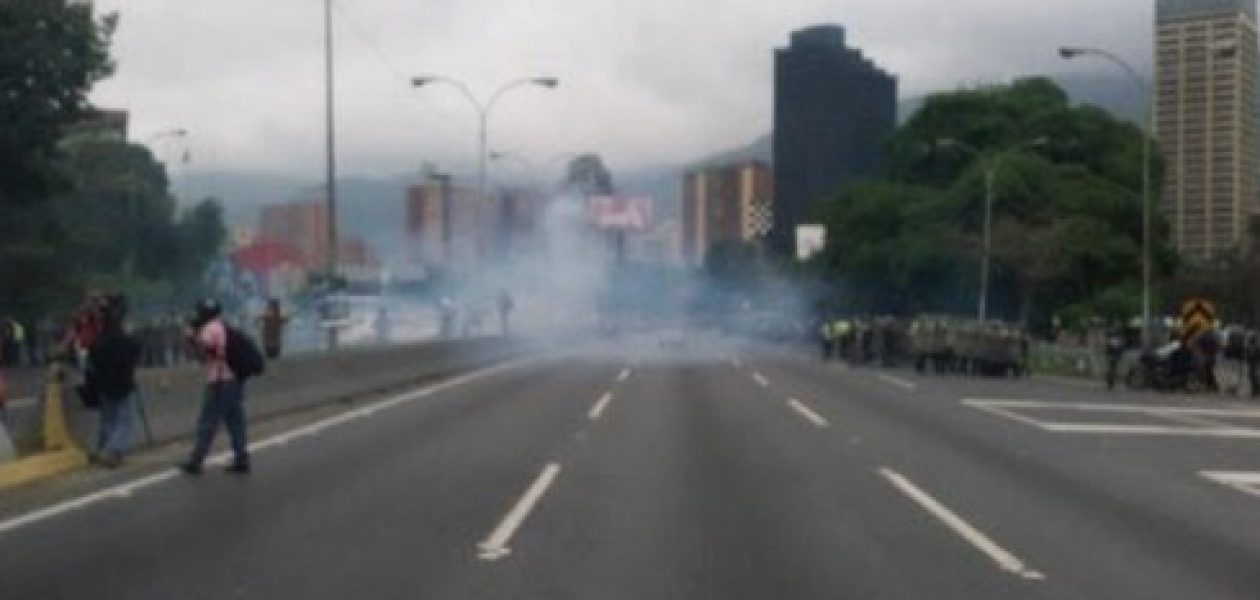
<point x="1197" y="316"/>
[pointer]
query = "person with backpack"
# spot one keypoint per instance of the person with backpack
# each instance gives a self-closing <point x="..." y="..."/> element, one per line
<point x="230" y="358"/>
<point x="111" y="374"/>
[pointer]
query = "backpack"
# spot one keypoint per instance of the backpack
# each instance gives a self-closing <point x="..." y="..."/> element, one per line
<point x="243" y="356"/>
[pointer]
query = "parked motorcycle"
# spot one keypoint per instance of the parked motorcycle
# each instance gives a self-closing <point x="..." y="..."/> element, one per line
<point x="1170" y="368"/>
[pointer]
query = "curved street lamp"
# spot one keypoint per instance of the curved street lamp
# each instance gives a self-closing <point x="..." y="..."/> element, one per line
<point x="1069" y="53"/>
<point x="484" y="109"/>
<point x="991" y="164"/>
<point x="496" y="156"/>
<point x="168" y="133"/>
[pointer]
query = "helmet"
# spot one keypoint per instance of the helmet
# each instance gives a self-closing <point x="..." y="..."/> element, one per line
<point x="205" y="311"/>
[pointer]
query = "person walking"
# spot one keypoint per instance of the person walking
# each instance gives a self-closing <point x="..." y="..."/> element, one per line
<point x="223" y="398"/>
<point x="112" y="361"/>
<point x="827" y="338"/>
<point x="1251" y="354"/>
<point x="271" y="325"/>
<point x="446" y="312"/>
<point x="1115" y="346"/>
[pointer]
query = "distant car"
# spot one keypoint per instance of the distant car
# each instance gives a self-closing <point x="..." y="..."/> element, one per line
<point x="673" y="338"/>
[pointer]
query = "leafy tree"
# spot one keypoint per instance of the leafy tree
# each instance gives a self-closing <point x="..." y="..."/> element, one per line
<point x="893" y="248"/>
<point x="1066" y="206"/>
<point x="588" y="175"/>
<point x="52" y="54"/>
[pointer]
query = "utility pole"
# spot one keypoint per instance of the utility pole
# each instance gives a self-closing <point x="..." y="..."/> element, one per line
<point x="331" y="165"/>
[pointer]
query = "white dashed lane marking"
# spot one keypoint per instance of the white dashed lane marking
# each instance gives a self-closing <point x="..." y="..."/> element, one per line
<point x="597" y="411"/>
<point x="808" y="413"/>
<point x="897" y="381"/>
<point x="1004" y="559"/>
<point x="495" y="546"/>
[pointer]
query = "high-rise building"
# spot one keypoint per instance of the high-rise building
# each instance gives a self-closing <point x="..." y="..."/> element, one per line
<point x="1205" y="121"/>
<point x="303" y="226"/>
<point x="724" y="203"/>
<point x="442" y="224"/>
<point x="833" y="111"/>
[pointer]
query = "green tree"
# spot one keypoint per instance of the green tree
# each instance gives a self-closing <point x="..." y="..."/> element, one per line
<point x="52" y="54"/>
<point x="1067" y="210"/>
<point x="588" y="175"/>
<point x="893" y="248"/>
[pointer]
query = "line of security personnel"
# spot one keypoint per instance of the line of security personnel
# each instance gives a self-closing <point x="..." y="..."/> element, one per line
<point x="944" y="344"/>
<point x="879" y="340"/>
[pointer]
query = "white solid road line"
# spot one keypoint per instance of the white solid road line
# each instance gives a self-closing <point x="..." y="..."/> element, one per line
<point x="1251" y="413"/>
<point x="1004" y="559"/>
<point x="1247" y="483"/>
<point x="624" y="375"/>
<point x="809" y="415"/>
<point x="125" y="490"/>
<point x="495" y="546"/>
<point x="897" y="381"/>
<point x="1198" y="419"/>
<point x="761" y="380"/>
<point x="597" y="411"/>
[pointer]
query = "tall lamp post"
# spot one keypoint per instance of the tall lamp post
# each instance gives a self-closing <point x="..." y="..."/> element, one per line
<point x="1069" y="53"/>
<point x="484" y="109"/>
<point x="991" y="167"/>
<point x="168" y="133"/>
<point x="330" y="156"/>
<point x="527" y="164"/>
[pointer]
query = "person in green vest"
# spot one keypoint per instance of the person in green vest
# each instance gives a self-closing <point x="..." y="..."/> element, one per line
<point x="827" y="338"/>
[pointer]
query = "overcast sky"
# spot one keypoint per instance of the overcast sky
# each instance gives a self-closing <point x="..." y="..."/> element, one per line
<point x="644" y="82"/>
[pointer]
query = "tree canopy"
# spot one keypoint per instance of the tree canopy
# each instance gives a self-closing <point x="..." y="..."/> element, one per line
<point x="79" y="211"/>
<point x="52" y="54"/>
<point x="1066" y="208"/>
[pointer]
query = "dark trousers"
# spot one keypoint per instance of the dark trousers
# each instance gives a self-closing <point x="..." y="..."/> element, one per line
<point x="1253" y="375"/>
<point x="223" y="401"/>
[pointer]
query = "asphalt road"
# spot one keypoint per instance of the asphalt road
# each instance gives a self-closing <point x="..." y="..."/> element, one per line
<point x="717" y="470"/>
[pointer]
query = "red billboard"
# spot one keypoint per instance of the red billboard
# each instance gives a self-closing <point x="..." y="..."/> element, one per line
<point x="622" y="213"/>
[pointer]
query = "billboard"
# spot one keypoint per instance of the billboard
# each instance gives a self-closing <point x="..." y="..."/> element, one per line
<point x="810" y="240"/>
<point x="621" y="213"/>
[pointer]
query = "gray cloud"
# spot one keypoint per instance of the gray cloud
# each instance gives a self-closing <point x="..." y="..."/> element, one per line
<point x="644" y="82"/>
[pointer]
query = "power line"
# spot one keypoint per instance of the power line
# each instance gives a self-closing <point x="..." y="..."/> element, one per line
<point x="398" y="75"/>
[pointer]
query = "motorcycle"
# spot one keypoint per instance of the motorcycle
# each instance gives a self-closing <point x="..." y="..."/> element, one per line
<point x="1170" y="368"/>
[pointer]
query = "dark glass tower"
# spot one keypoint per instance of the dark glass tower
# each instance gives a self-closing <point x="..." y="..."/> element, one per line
<point x="833" y="111"/>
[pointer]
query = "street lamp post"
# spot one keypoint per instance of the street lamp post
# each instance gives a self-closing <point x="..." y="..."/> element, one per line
<point x="1069" y="53"/>
<point x="484" y="109"/>
<point x="330" y="160"/>
<point x="168" y="133"/>
<point x="523" y="162"/>
<point x="992" y="166"/>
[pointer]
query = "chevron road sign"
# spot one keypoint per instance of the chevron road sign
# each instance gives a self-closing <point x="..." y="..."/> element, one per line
<point x="1197" y="316"/>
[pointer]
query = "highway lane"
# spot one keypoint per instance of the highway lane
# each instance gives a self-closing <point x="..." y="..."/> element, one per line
<point x="384" y="506"/>
<point x="1102" y="515"/>
<point x="627" y="470"/>
<point x="704" y="484"/>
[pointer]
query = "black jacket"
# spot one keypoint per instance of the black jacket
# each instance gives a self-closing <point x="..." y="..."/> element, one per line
<point x="112" y="364"/>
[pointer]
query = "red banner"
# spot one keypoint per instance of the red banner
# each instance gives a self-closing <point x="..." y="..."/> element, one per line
<point x="621" y="213"/>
